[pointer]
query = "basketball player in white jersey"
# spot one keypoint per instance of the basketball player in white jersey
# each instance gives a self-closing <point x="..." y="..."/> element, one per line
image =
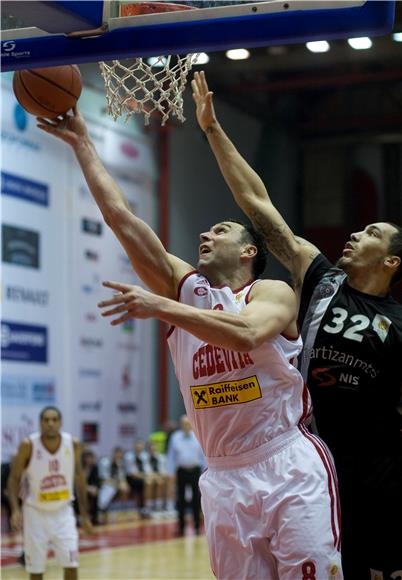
<point x="44" y="473"/>
<point x="269" y="494"/>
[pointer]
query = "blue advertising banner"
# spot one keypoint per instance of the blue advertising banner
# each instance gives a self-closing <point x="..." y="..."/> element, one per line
<point x="25" y="189"/>
<point x="23" y="342"/>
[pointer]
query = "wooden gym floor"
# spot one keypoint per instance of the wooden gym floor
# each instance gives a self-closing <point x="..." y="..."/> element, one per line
<point x="125" y="550"/>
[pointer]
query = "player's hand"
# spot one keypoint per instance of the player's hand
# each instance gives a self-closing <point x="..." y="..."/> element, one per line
<point x="130" y="301"/>
<point x="69" y="128"/>
<point x="203" y="99"/>
<point x="87" y="526"/>
<point x="16" y="521"/>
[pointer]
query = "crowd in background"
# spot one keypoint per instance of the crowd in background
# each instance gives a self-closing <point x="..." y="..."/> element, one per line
<point x="156" y="477"/>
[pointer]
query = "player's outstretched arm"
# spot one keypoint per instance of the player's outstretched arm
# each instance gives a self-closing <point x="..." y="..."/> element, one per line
<point x="18" y="465"/>
<point x="248" y="189"/>
<point x="158" y="269"/>
<point x="271" y="310"/>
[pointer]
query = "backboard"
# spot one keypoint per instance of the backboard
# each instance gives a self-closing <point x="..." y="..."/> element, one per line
<point x="49" y="33"/>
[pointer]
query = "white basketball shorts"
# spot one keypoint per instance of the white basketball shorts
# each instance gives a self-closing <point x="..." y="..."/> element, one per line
<point x="44" y="527"/>
<point x="273" y="513"/>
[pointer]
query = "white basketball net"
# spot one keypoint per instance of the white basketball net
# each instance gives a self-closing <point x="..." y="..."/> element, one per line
<point x="145" y="88"/>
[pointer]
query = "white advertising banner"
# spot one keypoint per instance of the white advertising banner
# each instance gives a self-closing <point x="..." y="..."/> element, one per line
<point x="33" y="200"/>
<point x="56" y="251"/>
<point x="113" y="366"/>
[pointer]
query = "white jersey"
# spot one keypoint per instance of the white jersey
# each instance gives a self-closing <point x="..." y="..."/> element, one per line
<point x="236" y="401"/>
<point x="49" y="477"/>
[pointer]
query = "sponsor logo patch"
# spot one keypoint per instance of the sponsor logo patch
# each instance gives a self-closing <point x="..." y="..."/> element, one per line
<point x="201" y="291"/>
<point x="24" y="295"/>
<point x="333" y="571"/>
<point x="89" y="432"/>
<point x="54" y="495"/>
<point x="381" y="325"/>
<point x="127" y="430"/>
<point x="20" y="246"/>
<point x="90" y="406"/>
<point x="92" y="227"/>
<point x="226" y="393"/>
<point x="91" y="255"/>
<point x="127" y="407"/>
<point x="43" y="392"/>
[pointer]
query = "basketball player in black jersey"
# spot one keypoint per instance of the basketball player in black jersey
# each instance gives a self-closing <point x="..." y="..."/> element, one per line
<point x="352" y="332"/>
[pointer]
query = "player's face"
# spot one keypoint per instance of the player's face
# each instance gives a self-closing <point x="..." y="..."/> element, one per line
<point x="50" y="424"/>
<point x="368" y="248"/>
<point x="221" y="246"/>
<point x="139" y="446"/>
<point x="118" y="455"/>
<point x="185" y="424"/>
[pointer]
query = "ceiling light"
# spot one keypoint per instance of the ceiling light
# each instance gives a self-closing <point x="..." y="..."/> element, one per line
<point x="238" y="54"/>
<point x="397" y="36"/>
<point x="361" y="43"/>
<point x="318" y="46"/>
<point x="202" y="58"/>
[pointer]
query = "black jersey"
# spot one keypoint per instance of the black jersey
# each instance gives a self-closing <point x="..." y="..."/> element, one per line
<point x="351" y="362"/>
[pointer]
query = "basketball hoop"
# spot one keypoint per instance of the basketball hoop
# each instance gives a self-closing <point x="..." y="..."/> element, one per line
<point x="141" y="87"/>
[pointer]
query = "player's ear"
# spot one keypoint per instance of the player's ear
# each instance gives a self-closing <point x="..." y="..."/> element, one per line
<point x="392" y="262"/>
<point x="249" y="251"/>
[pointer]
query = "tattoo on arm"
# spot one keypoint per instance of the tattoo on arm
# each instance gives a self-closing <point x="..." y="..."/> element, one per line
<point x="276" y="237"/>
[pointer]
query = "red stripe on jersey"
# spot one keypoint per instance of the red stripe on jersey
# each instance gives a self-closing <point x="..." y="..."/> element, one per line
<point x="335" y="479"/>
<point x="247" y="296"/>
<point x="171" y="329"/>
<point x="334" y="476"/>
<point x="305" y="413"/>
<point x="331" y="483"/>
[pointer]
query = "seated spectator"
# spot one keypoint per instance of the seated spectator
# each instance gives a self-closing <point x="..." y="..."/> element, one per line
<point x="139" y="475"/>
<point x="91" y="474"/>
<point x="114" y="480"/>
<point x="159" y="478"/>
<point x="5" y="503"/>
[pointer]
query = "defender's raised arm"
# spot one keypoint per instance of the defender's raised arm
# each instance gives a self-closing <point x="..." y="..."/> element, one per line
<point x="248" y="189"/>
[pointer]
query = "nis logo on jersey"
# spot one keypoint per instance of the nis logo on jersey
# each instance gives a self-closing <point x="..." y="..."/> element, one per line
<point x="226" y="393"/>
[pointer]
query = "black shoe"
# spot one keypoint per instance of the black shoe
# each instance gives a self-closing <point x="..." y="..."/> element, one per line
<point x="145" y="514"/>
<point x="21" y="559"/>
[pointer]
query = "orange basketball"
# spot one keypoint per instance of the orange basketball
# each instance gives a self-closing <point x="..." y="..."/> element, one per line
<point x="48" y="92"/>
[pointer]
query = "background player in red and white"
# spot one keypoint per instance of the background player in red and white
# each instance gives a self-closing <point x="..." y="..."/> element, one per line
<point x="269" y="495"/>
<point x="352" y="334"/>
<point x="44" y="473"/>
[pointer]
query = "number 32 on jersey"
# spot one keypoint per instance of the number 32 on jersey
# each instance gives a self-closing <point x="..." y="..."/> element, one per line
<point x="380" y="324"/>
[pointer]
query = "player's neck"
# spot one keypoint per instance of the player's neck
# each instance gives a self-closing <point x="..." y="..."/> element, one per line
<point x="368" y="284"/>
<point x="233" y="280"/>
<point x="51" y="443"/>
